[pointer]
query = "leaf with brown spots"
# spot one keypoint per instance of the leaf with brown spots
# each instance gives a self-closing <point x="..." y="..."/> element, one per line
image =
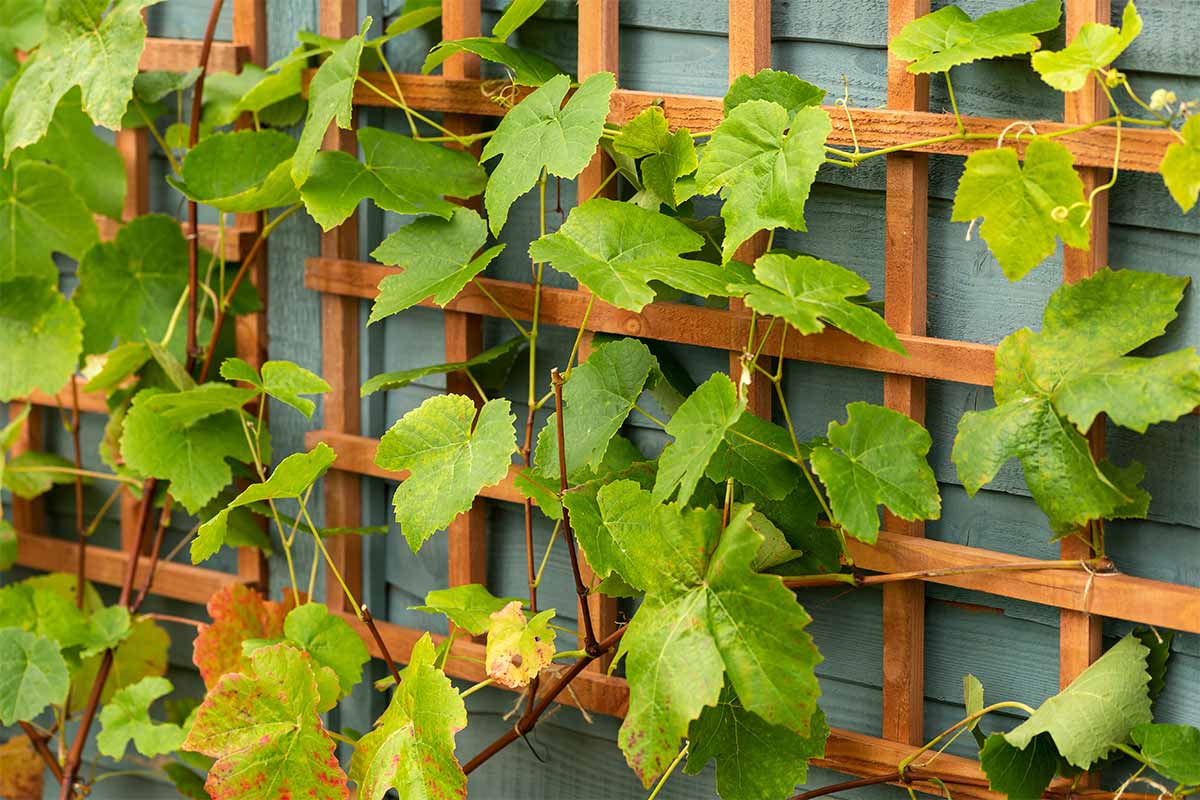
<point x="518" y="649"/>
<point x="238" y="613"/>
<point x="263" y="728"/>
<point x="21" y="770"/>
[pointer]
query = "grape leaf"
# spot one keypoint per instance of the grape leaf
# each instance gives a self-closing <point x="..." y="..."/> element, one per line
<point x="330" y="641"/>
<point x="617" y="248"/>
<point x="948" y="37"/>
<point x="469" y="606"/>
<point x="413" y="18"/>
<point x="40" y="214"/>
<point x="450" y="454"/>
<point x="763" y="161"/>
<point x="1172" y="750"/>
<point x="782" y="88"/>
<point x="517" y="13"/>
<point x="143" y="653"/>
<point x="264" y="731"/>
<point x="501" y="357"/>
<point x="438" y="257"/>
<point x="22" y="475"/>
<point x="743" y="457"/>
<point x="597" y="398"/>
<point x="542" y="491"/>
<point x="400" y="174"/>
<point x="241" y="171"/>
<point x="698" y="428"/>
<point x="1023" y="208"/>
<point x="185" y="781"/>
<point x="1180" y="166"/>
<point x="24" y="27"/>
<point x="411" y="748"/>
<point x="330" y="98"/>
<point x="808" y="292"/>
<point x="127" y="716"/>
<point x="1094" y="47"/>
<point x="1019" y="773"/>
<point x="198" y="402"/>
<point x="282" y="380"/>
<point x="22" y="773"/>
<point x="238" y="613"/>
<point x="517" y="648"/>
<point x="106" y="628"/>
<point x="84" y="47"/>
<point x="606" y="555"/>
<point x="33" y="675"/>
<point x="8" y="545"/>
<point x="35" y="318"/>
<point x="666" y="157"/>
<point x="540" y="133"/>
<point x="154" y="85"/>
<point x="1097" y="710"/>
<point x="527" y="68"/>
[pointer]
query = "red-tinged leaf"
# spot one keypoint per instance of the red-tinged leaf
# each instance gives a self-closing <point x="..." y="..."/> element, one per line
<point x="238" y="613"/>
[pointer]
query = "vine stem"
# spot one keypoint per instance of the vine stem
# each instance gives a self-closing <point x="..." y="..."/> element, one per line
<point x="83" y="473"/>
<point x="1099" y="565"/>
<point x="163" y="519"/>
<point x="39" y="744"/>
<point x="658" y="787"/>
<point x="844" y="786"/>
<point x="81" y="530"/>
<point x="908" y="760"/>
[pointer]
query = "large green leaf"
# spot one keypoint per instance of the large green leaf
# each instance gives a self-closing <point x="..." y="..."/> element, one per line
<point x="1019" y="773"/>
<point x="606" y="554"/>
<point x="127" y="716"/>
<point x="808" y="292"/>
<point x="698" y="428"/>
<point x="469" y="606"/>
<point x="41" y="336"/>
<point x="518" y="648"/>
<point x="527" y="68"/>
<point x="1180" y="166"/>
<point x="33" y="675"/>
<point x="1098" y="710"/>
<point x="330" y="641"/>
<point x="24" y="26"/>
<point x="241" y="171"/>
<point x="1023" y="208"/>
<point x="330" y="98"/>
<point x="750" y="454"/>
<point x="876" y="458"/>
<point x="541" y="133"/>
<point x="84" y="47"/>
<point x="763" y="160"/>
<point x="782" y="88"/>
<point x="1172" y="750"/>
<point x="439" y="259"/>
<point x="264" y="731"/>
<point x="1094" y="47"/>
<point x="617" y="248"/>
<point x="1050" y="386"/>
<point x="498" y="359"/>
<point x="948" y="37"/>
<point x="400" y="174"/>
<point x="666" y="157"/>
<point x="411" y="749"/>
<point x="450" y="453"/>
<point x="40" y="214"/>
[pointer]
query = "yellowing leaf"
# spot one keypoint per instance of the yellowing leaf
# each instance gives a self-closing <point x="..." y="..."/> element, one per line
<point x="21" y="770"/>
<point x="1180" y="166"/>
<point x="469" y="606"/>
<point x="518" y="649"/>
<point x="238" y="613"/>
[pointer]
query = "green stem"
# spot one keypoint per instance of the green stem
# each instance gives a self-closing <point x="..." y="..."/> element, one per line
<point x="478" y="389"/>
<point x="82" y="473"/>
<point x="537" y="581"/>
<point x="907" y="762"/>
<point x="503" y="309"/>
<point x="603" y="183"/>
<point x="473" y="689"/>
<point x="954" y="103"/>
<point x="412" y="123"/>
<point x="329" y="562"/>
<point x="587" y="313"/>
<point x="674" y="765"/>
<point x="162" y="143"/>
<point x="400" y="104"/>
<point x="343" y="738"/>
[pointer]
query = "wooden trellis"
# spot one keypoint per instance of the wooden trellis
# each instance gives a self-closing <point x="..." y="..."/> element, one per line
<point x="1083" y="601"/>
<point x="107" y="565"/>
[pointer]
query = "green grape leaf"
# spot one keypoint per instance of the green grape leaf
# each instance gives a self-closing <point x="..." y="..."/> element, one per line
<point x="40" y="214"/>
<point x="330" y="641"/>
<point x="755" y="759"/>
<point x="24" y="27"/>
<point x="1023" y="208"/>
<point x="438" y="257"/>
<point x="782" y="88"/>
<point x="709" y="616"/>
<point x="291" y="479"/>
<point x="517" y="648"/>
<point x="154" y="85"/>
<point x="282" y="380"/>
<point x="400" y="174"/>
<point x="1180" y="167"/>
<point x="597" y="398"/>
<point x="1159" y="644"/>
<point x="185" y="781"/>
<point x="763" y="161"/>
<point x="876" y="458"/>
<point x="450" y="454"/>
<point x="502" y="357"/>
<point x="241" y="171"/>
<point x="1019" y="773"/>
<point x="23" y="475"/>
<point x="698" y="428"/>
<point x="1049" y="383"/>
<point x="413" y="18"/>
<point x="8" y="545"/>
<point x="411" y="748"/>
<point x="606" y="554"/>
<point x="541" y="133"/>
<point x="527" y="68"/>
<point x="141" y="654"/>
<point x="238" y="614"/>
<point x="33" y="675"/>
<point x="972" y="700"/>
<point x="617" y="248"/>
<point x="750" y="454"/>
<point x="1098" y="709"/>
<point x="666" y="157"/>
<point x="43" y="611"/>
<point x="517" y="13"/>
<point x="264" y="731"/>
<point x="127" y="717"/>
<point x="330" y="98"/>
<point x="106" y="628"/>
<point x="129" y="287"/>
<point x="948" y="37"/>
<point x="469" y="606"/>
<point x="35" y="318"/>
<point x="84" y="47"/>
<point x="809" y="292"/>
<point x="197" y="403"/>
<point x="273" y="94"/>
<point x="541" y="490"/>
<point x="1172" y="750"/>
<point x="1094" y="47"/>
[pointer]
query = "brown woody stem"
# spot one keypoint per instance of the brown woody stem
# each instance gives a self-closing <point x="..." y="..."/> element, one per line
<point x="39" y="744"/>
<point x="369" y="621"/>
<point x="1098" y="565"/>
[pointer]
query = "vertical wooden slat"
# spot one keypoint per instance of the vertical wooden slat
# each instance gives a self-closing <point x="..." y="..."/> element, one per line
<point x="28" y="516"/>
<point x="340" y="350"/>
<point x="907" y="226"/>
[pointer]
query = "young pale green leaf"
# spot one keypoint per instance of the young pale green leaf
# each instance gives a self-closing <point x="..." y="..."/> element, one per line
<point x="450" y="453"/>
<point x="527" y="68"/>
<point x="1172" y="750"/>
<point x="127" y="717"/>
<point x="541" y="133"/>
<point x="1094" y="47"/>
<point x="241" y="171"/>
<point x="1023" y="208"/>
<point x="517" y="648"/>
<point x="36" y="319"/>
<point x="282" y="380"/>
<point x="948" y="37"/>
<point x="8" y="545"/>
<point x="143" y="653"/>
<point x="413" y="18"/>
<point x="238" y="614"/>
<point x="438" y="257"/>
<point x="33" y="675"/>
<point x="808" y="292"/>
<point x="1180" y="167"/>
<point x="698" y="428"/>
<point x="330" y="641"/>
<point x="470" y="606"/>
<point x="972" y="699"/>
<point x="411" y="749"/>
<point x="84" y="47"/>
<point x="755" y="759"/>
<point x="1097" y="710"/>
<point x="25" y="477"/>
<point x="782" y="88"/>
<point x="666" y="157"/>
<point x="876" y="458"/>
<point x="106" y="628"/>
<point x="751" y="454"/>
<point x="330" y="98"/>
<point x="515" y="16"/>
<point x="400" y="174"/>
<point x="185" y="408"/>
<point x="597" y="398"/>
<point x="40" y="214"/>
<point x="264" y="731"/>
<point x="502" y="356"/>
<point x="763" y="161"/>
<point x="1019" y="773"/>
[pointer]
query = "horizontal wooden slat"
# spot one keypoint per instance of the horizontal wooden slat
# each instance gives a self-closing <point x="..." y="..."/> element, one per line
<point x="1142" y="148"/>
<point x="181" y="55"/>
<point x="89" y="402"/>
<point x="238" y="241"/>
